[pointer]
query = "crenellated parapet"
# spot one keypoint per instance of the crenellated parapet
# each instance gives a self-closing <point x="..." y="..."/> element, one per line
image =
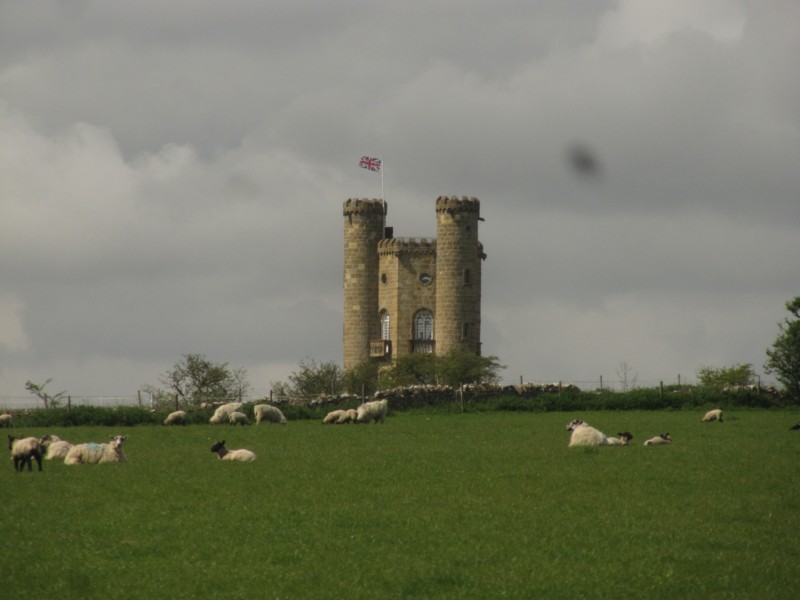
<point x="364" y="206"/>
<point x="398" y="246"/>
<point x="454" y="204"/>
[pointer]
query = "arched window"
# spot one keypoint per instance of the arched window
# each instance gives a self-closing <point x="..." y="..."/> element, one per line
<point x="385" y="335"/>
<point x="423" y="332"/>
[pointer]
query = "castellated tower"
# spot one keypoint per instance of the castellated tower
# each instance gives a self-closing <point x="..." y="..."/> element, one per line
<point x="458" y="275"/>
<point x="364" y="222"/>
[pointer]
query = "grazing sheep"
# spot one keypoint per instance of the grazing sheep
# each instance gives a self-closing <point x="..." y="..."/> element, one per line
<point x="6" y="420"/>
<point x="795" y="427"/>
<point x="372" y="411"/>
<point x="659" y="440"/>
<point x="176" y="418"/>
<point x="92" y="453"/>
<point x="242" y="455"/>
<point x="584" y="434"/>
<point x="347" y="416"/>
<point x="55" y="447"/>
<point x="238" y="418"/>
<point x="268" y="413"/>
<point x="622" y="439"/>
<point x="712" y="415"/>
<point x="332" y="417"/>
<point x="23" y="450"/>
<point x="222" y="413"/>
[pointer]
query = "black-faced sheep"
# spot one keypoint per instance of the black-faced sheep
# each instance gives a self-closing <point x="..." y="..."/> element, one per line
<point x="268" y="413"/>
<point x="241" y="455"/>
<point x="55" y="447"/>
<point x="712" y="415"/>
<point x="23" y="451"/>
<point x="794" y="427"/>
<point x="659" y="440"/>
<point x="93" y="453"/>
<point x="622" y="439"/>
<point x="176" y="418"/>
<point x="584" y="434"/>
<point x="6" y="420"/>
<point x="222" y="413"/>
<point x="372" y="411"/>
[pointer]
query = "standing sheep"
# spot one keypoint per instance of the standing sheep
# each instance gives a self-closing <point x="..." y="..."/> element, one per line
<point x="241" y="455"/>
<point x="268" y="413"/>
<point x="23" y="450"/>
<point x="332" y="417"/>
<point x="348" y="416"/>
<point x="372" y="411"/>
<point x="222" y="414"/>
<point x="659" y="440"/>
<point x="92" y="453"/>
<point x="54" y="447"/>
<point x="712" y="415"/>
<point x="238" y="418"/>
<point x="584" y="434"/>
<point x="6" y="420"/>
<point x="176" y="418"/>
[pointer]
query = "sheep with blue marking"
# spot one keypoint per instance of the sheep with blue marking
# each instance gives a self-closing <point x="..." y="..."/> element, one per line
<point x="24" y="451"/>
<point x="92" y="453"/>
<point x="176" y="418"/>
<point x="240" y="455"/>
<point x="222" y="413"/>
<point x="268" y="413"/>
<point x="372" y="411"/>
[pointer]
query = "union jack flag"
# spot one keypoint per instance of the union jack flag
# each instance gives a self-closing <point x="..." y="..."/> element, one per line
<point x="368" y="162"/>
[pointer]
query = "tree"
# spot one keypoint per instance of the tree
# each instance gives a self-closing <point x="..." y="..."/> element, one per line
<point x="453" y="369"/>
<point x="362" y="379"/>
<point x="311" y="380"/>
<point x="38" y="391"/>
<point x="627" y="377"/>
<point x="720" y="377"/>
<point x="195" y="379"/>
<point x="784" y="357"/>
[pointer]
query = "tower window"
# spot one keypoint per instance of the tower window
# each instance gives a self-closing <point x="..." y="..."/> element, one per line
<point x="423" y="325"/>
<point x="467" y="277"/>
<point x="464" y="331"/>
<point x="385" y="335"/>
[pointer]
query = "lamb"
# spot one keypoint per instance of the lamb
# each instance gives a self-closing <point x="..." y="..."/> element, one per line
<point x="712" y="415"/>
<point x="659" y="440"/>
<point x="795" y="427"/>
<point x="223" y="412"/>
<point x="55" y="447"/>
<point x="241" y="455"/>
<point x="372" y="411"/>
<point x="622" y="439"/>
<point x="238" y="418"/>
<point x="347" y="416"/>
<point x="6" y="420"/>
<point x="23" y="450"/>
<point x="269" y="413"/>
<point x="176" y="418"/>
<point x="584" y="434"/>
<point x="92" y="453"/>
<point x="332" y="417"/>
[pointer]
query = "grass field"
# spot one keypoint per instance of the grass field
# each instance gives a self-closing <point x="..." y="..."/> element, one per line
<point x="490" y="505"/>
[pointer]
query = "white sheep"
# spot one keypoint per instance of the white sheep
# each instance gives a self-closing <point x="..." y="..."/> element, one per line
<point x="584" y="434"/>
<point x="92" y="453"/>
<point x="712" y="415"/>
<point x="372" y="411"/>
<point x="55" y="447"/>
<point x="176" y="418"/>
<point x="332" y="417"/>
<point x="348" y="416"/>
<point x="222" y="413"/>
<point x="23" y="450"/>
<point x="622" y="439"/>
<point x="241" y="455"/>
<point x="238" y="418"/>
<point x="6" y="420"/>
<point x="268" y="413"/>
<point x="659" y="440"/>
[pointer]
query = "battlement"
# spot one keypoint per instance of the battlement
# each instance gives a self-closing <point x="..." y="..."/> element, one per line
<point x="454" y="204"/>
<point x="364" y="206"/>
<point x="396" y="246"/>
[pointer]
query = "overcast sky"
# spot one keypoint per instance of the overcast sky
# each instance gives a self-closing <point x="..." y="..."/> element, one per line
<point x="172" y="177"/>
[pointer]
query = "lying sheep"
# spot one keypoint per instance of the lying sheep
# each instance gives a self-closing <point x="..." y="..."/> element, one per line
<point x="347" y="416"/>
<point x="795" y="427"/>
<point x="238" y="418"/>
<point x="332" y="417"/>
<point x="54" y="447"/>
<point x="6" y="420"/>
<point x="372" y="411"/>
<point x="659" y="440"/>
<point x="622" y="439"/>
<point x="92" y="453"/>
<point x="176" y="418"/>
<point x="23" y="451"/>
<point x="242" y="455"/>
<point x="584" y="434"/>
<point x="222" y="414"/>
<point x="712" y="415"/>
<point x="268" y="413"/>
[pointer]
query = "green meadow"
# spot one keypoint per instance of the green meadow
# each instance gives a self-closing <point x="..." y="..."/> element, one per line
<point x="481" y="505"/>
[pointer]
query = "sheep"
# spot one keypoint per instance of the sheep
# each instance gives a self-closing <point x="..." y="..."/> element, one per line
<point x="6" y="420"/>
<point x="176" y="418"/>
<point x="372" y="411"/>
<point x="332" y="417"/>
<point x="55" y="447"/>
<point x="659" y="440"/>
<point x="93" y="453"/>
<point x="795" y="427"/>
<point x="241" y="455"/>
<point x="622" y="439"/>
<point x="23" y="450"/>
<point x="238" y="418"/>
<point x="269" y="413"/>
<point x="347" y="416"/>
<point x="584" y="434"/>
<point x="712" y="415"/>
<point x="223" y="412"/>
